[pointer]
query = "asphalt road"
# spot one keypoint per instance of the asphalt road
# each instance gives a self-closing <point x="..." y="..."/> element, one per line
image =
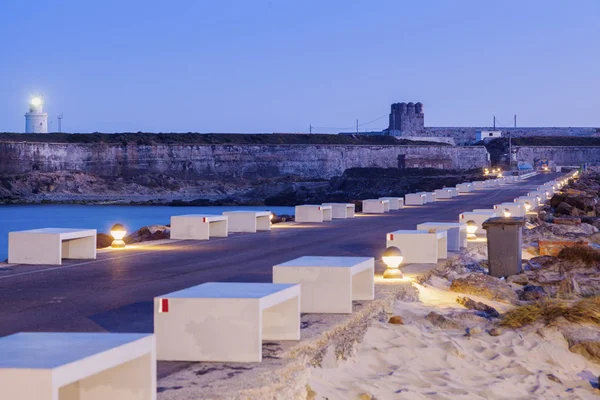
<point x="114" y="293"/>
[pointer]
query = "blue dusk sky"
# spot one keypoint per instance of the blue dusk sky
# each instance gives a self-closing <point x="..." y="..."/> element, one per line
<point x="281" y="65"/>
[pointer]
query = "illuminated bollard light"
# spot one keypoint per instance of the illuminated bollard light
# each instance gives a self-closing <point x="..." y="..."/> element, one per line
<point x="392" y="257"/>
<point x="471" y="230"/>
<point x="118" y="233"/>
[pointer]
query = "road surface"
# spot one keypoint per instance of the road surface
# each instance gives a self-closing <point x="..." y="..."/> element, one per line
<point x="114" y="293"/>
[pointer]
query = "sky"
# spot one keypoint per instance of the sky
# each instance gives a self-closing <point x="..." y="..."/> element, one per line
<point x="283" y="65"/>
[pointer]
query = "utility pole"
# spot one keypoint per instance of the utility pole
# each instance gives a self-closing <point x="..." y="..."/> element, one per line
<point x="510" y="150"/>
<point x="59" y="117"/>
<point x="494" y="123"/>
<point x="357" y="126"/>
<point x="310" y="129"/>
<point x="515" y="120"/>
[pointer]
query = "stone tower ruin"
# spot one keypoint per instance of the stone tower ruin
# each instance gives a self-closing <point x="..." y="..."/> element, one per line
<point x="407" y="119"/>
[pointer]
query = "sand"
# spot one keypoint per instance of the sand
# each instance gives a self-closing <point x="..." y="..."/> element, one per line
<point x="420" y="361"/>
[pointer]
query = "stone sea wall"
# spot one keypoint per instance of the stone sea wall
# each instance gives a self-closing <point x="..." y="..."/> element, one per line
<point x="560" y="155"/>
<point x="223" y="162"/>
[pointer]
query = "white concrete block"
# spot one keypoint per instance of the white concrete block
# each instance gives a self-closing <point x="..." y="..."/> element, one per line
<point x="225" y="322"/>
<point x="456" y="232"/>
<point x="248" y="221"/>
<point x="454" y="192"/>
<point x="550" y="187"/>
<point x="465" y="187"/>
<point x="375" y="206"/>
<point x="479" y="217"/>
<point x="198" y="226"/>
<point x="497" y="212"/>
<point x="327" y="213"/>
<point x="532" y="200"/>
<point x="445" y="193"/>
<point x="77" y="366"/>
<point x="419" y="247"/>
<point x="430" y="197"/>
<point x="329" y="284"/>
<point x="478" y="185"/>
<point x="313" y="213"/>
<point x="396" y="203"/>
<point x="51" y="245"/>
<point x="515" y="209"/>
<point x="415" y="199"/>
<point x="542" y="194"/>
<point x="342" y="210"/>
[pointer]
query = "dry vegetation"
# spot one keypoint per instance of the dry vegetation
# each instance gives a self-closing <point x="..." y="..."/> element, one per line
<point x="585" y="255"/>
<point x="583" y="311"/>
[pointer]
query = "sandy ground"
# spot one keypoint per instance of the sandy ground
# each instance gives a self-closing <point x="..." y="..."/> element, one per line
<point x="420" y="361"/>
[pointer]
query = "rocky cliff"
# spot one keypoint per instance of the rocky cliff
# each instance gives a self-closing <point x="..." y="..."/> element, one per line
<point x="228" y="162"/>
<point x="560" y="155"/>
<point x="240" y="173"/>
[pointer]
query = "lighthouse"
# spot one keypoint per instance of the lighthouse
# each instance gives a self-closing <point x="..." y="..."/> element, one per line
<point x="36" y="120"/>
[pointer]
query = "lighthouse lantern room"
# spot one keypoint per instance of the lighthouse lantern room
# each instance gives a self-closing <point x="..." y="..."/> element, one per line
<point x="36" y="120"/>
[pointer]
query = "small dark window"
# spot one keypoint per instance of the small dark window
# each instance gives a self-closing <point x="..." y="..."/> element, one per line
<point x="491" y="134"/>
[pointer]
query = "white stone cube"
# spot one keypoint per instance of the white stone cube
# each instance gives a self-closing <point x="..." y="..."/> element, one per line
<point x="342" y="210"/>
<point x="329" y="284"/>
<point x="456" y="233"/>
<point x="50" y="245"/>
<point x="248" y="221"/>
<point x="396" y="203"/>
<point x="225" y="322"/>
<point x="198" y="226"/>
<point x="77" y="366"/>
<point x="419" y="247"/>
<point x="375" y="206"/>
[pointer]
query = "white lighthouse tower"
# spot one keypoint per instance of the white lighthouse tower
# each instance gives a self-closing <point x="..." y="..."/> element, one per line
<point x="36" y="120"/>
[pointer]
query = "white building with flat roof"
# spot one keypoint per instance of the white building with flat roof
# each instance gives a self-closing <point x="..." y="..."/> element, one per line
<point x="489" y="135"/>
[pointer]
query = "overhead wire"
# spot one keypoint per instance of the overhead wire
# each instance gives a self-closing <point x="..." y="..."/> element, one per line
<point x="350" y="127"/>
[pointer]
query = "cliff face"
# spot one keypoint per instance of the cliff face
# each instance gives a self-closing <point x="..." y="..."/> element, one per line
<point x="560" y="155"/>
<point x="228" y="162"/>
<point x="223" y="174"/>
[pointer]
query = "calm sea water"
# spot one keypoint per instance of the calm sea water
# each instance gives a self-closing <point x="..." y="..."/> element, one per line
<point x="21" y="217"/>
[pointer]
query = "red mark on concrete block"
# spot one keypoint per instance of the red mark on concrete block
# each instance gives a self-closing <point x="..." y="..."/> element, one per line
<point x="164" y="305"/>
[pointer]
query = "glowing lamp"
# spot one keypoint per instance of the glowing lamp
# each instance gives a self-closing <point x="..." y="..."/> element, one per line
<point x="271" y="217"/>
<point x="471" y="229"/>
<point x="392" y="257"/>
<point x="527" y="206"/>
<point x="507" y="213"/>
<point x="36" y="101"/>
<point x="118" y="233"/>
